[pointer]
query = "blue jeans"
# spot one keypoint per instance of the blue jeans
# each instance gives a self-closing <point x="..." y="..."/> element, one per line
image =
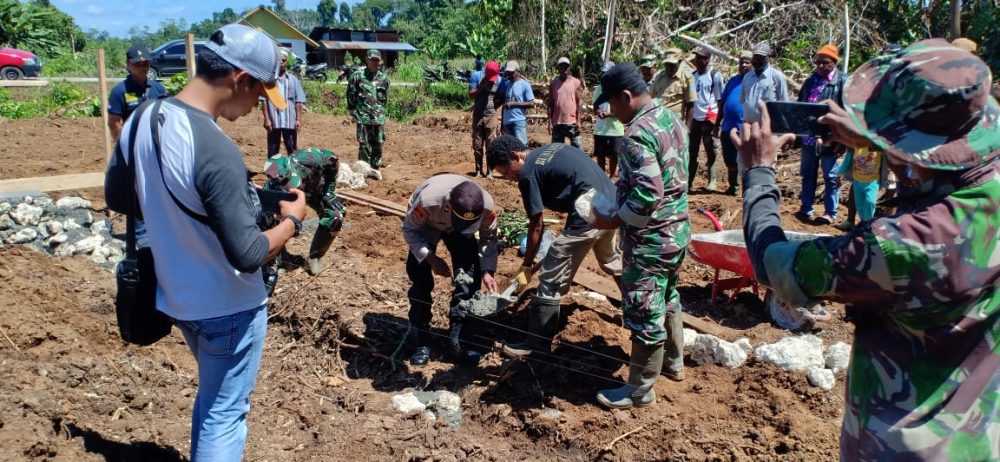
<point x="228" y="351"/>
<point x="518" y="129"/>
<point x="831" y="196"/>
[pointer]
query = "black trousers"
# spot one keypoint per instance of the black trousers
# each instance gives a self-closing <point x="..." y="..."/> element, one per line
<point x="276" y="135"/>
<point x="464" y="252"/>
<point x="701" y="133"/>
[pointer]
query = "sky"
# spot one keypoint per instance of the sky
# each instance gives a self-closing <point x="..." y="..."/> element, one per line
<point x="118" y="16"/>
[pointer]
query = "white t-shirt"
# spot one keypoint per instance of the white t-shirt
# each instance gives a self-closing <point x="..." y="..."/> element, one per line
<point x="708" y="91"/>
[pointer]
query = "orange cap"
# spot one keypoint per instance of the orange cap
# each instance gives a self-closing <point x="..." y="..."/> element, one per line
<point x="830" y="51"/>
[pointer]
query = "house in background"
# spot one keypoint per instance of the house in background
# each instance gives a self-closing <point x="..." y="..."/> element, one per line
<point x="283" y="33"/>
<point x="337" y="44"/>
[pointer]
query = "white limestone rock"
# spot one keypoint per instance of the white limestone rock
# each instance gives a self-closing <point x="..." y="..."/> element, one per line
<point x="73" y="202"/>
<point x="408" y="404"/>
<point x="87" y="245"/>
<point x="837" y="357"/>
<point x="6" y="222"/>
<point x="5" y="207"/>
<point x="793" y="353"/>
<point x="26" y="214"/>
<point x="689" y="336"/>
<point x="709" y="349"/>
<point x="57" y="240"/>
<point x="23" y="236"/>
<point x="821" y="378"/>
<point x="64" y="250"/>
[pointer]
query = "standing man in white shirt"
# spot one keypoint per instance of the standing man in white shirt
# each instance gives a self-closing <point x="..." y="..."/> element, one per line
<point x="284" y="124"/>
<point x="708" y="87"/>
<point x="191" y="188"/>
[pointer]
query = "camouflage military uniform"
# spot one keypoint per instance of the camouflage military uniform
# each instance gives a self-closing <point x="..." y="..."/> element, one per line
<point x="652" y="199"/>
<point x="921" y="286"/>
<point x="314" y="171"/>
<point x="367" y="94"/>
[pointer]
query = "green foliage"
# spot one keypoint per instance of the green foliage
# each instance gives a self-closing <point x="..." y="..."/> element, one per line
<point x="511" y="227"/>
<point x="327" y="10"/>
<point x="31" y="26"/>
<point x="407" y="70"/>
<point x="323" y="98"/>
<point x="66" y="99"/>
<point x="175" y="83"/>
<point x="451" y="95"/>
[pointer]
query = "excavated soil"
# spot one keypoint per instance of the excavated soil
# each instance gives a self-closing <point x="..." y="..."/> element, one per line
<point x="71" y="390"/>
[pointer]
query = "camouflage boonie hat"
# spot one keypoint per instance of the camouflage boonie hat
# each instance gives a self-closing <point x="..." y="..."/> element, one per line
<point x="647" y="61"/>
<point x="928" y="105"/>
<point x="374" y="54"/>
<point x="673" y="55"/>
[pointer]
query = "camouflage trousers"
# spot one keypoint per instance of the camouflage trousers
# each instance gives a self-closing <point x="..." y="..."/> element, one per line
<point x="647" y="298"/>
<point x="370" y="139"/>
<point x="331" y="213"/>
<point x="652" y="310"/>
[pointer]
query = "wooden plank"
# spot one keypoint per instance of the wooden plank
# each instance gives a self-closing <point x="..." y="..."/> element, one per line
<point x="23" y="83"/>
<point x="372" y="200"/>
<point x="54" y="183"/>
<point x="607" y="287"/>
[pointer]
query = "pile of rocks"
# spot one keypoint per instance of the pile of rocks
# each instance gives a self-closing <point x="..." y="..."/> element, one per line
<point x="62" y="228"/>
<point x="709" y="349"/>
<point x="430" y="406"/>
<point x="354" y="176"/>
<point x="804" y="353"/>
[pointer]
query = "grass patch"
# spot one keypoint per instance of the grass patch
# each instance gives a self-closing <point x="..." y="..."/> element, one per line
<point x="66" y="99"/>
<point x="405" y="102"/>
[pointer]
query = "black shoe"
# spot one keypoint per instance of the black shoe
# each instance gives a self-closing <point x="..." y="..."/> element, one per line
<point x="468" y="357"/>
<point x="731" y="191"/>
<point x="421" y="356"/>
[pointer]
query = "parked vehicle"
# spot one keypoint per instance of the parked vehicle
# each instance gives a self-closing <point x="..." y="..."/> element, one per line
<point x="344" y="72"/>
<point x="17" y="64"/>
<point x="316" y="72"/>
<point x="434" y="74"/>
<point x="462" y="74"/>
<point x="170" y="58"/>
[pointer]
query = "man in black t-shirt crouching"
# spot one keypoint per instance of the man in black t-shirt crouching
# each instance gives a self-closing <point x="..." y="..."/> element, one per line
<point x="553" y="177"/>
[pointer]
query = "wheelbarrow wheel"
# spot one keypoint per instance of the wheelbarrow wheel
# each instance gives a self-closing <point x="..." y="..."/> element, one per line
<point x="794" y="318"/>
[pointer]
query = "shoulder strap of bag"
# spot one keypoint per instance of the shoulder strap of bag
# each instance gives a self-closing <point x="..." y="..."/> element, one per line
<point x="154" y="122"/>
<point x="130" y="246"/>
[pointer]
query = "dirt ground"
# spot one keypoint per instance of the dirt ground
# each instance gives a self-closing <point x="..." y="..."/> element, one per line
<point x="71" y="390"/>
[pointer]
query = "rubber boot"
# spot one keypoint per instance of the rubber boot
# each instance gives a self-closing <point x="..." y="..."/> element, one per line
<point x="733" y="176"/>
<point x="543" y="321"/>
<point x="320" y="244"/>
<point x="711" y="177"/>
<point x="673" y="349"/>
<point x="647" y="360"/>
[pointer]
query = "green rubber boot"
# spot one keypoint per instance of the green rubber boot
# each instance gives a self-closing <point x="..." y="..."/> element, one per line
<point x="320" y="244"/>
<point x="647" y="360"/>
<point x="673" y="349"/>
<point x="543" y="321"/>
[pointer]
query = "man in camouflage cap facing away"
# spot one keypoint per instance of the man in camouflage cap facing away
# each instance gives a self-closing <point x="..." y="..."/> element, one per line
<point x="653" y="216"/>
<point x="367" y="93"/>
<point x="314" y="171"/>
<point x="920" y="286"/>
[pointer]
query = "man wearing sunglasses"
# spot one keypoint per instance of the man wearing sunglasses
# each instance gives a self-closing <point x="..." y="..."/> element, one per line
<point x="131" y="92"/>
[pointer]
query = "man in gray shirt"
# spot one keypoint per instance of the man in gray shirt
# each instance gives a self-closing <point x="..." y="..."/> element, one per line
<point x="190" y="187"/>
<point x="763" y="83"/>
<point x="283" y="124"/>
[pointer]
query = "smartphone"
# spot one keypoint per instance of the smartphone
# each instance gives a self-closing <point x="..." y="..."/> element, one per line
<point x="802" y="119"/>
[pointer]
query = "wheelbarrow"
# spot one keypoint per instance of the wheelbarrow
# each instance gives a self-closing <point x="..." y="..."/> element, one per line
<point x="725" y="250"/>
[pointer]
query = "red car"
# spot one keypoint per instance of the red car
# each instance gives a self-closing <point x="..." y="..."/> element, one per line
<point x="16" y="64"/>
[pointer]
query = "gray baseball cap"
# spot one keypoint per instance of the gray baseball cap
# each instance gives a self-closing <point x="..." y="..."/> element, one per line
<point x="252" y="51"/>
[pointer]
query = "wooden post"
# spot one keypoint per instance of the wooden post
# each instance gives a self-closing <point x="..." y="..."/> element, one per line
<point x="847" y="39"/>
<point x="102" y="86"/>
<point x="545" y="58"/>
<point x="189" y="54"/>
<point x="609" y="32"/>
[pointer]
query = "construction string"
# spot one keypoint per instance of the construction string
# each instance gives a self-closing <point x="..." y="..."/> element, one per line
<point x="408" y="328"/>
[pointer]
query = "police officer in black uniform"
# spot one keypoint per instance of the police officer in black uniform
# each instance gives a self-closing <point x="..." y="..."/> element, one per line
<point x="131" y="92"/>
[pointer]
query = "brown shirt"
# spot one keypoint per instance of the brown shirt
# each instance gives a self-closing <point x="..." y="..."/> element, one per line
<point x="675" y="92"/>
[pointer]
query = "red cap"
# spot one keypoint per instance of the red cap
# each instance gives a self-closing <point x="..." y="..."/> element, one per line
<point x="492" y="71"/>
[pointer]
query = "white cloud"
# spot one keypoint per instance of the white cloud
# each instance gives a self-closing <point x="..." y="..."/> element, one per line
<point x="94" y="9"/>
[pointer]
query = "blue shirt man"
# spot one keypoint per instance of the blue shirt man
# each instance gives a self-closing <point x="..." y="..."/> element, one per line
<point x="133" y="91"/>
<point x="517" y="98"/>
<point x="732" y="117"/>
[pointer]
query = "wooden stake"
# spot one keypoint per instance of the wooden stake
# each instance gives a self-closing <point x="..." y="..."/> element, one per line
<point x="545" y="62"/>
<point x="102" y="86"/>
<point x="189" y="55"/>
<point x="847" y="39"/>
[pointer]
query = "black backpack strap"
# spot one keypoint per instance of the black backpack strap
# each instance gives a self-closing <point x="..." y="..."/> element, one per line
<point x="154" y="122"/>
<point x="130" y="244"/>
